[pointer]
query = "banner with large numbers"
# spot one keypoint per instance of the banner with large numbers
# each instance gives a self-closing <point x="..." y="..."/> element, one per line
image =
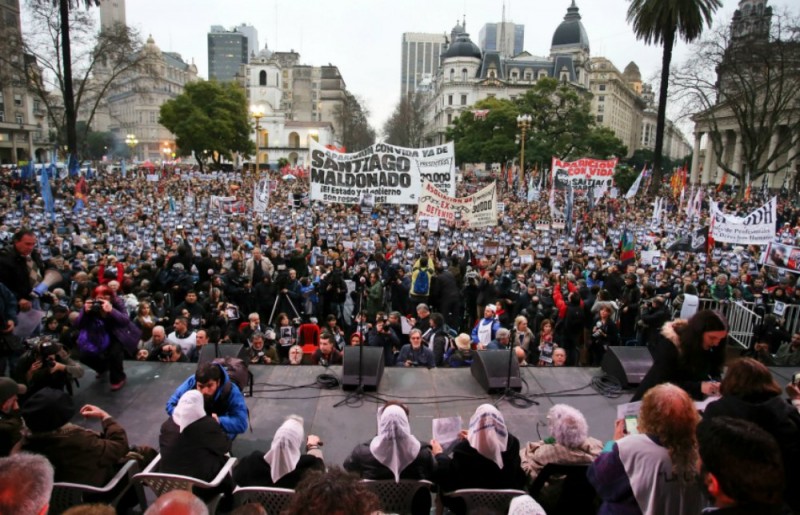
<point x="584" y="174"/>
<point x="757" y="228"/>
<point x="476" y="210"/>
<point x="387" y="174"/>
<point x="782" y="256"/>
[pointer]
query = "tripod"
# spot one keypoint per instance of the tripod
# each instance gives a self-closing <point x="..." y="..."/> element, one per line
<point x="275" y="306"/>
<point x="509" y="393"/>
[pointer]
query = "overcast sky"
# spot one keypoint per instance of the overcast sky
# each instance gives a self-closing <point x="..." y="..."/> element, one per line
<point x="362" y="37"/>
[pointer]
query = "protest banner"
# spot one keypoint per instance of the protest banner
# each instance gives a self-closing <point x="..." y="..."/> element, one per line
<point x="780" y="255"/>
<point x="583" y="174"/>
<point x="261" y="196"/>
<point x="390" y="174"/>
<point x="476" y="210"/>
<point x="757" y="228"/>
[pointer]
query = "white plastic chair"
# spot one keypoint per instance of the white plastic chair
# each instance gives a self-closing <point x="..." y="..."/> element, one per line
<point x="65" y="495"/>
<point x="273" y="499"/>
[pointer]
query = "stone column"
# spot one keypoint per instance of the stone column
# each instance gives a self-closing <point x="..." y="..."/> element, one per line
<point x="736" y="165"/>
<point x="773" y="144"/>
<point x="696" y="157"/>
<point x="709" y="159"/>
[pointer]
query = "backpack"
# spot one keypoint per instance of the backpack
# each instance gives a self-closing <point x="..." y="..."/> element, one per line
<point x="238" y="372"/>
<point x="421" y="284"/>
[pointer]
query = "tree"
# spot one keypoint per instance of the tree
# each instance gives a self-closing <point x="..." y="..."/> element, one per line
<point x="561" y="126"/>
<point x="624" y="178"/>
<point x="755" y="91"/>
<point x="406" y="126"/>
<point x="604" y="144"/>
<point x="83" y="80"/>
<point x="661" y="22"/>
<point x="351" y="120"/>
<point x="209" y="119"/>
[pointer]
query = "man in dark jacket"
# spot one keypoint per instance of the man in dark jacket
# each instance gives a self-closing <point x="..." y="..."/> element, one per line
<point x="382" y="335"/>
<point x="653" y="318"/>
<point x="445" y="296"/>
<point x="23" y="272"/>
<point x="629" y="300"/>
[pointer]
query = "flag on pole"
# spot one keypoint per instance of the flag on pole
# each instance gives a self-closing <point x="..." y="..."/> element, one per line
<point x="722" y="182"/>
<point x="47" y="195"/>
<point x="627" y="253"/>
<point x="568" y="213"/>
<point x="634" y="189"/>
<point x="124" y="170"/>
<point x="748" y="187"/>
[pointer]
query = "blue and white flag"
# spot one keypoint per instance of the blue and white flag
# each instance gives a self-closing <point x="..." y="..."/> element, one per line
<point x="47" y="194"/>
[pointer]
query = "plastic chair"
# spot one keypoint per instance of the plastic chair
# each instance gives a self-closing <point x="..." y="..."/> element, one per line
<point x="486" y="499"/>
<point x="396" y="497"/>
<point x="65" y="495"/>
<point x="273" y="499"/>
<point x="576" y="494"/>
<point x="161" y="483"/>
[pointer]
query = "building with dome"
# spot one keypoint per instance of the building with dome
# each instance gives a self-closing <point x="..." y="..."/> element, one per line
<point x="467" y="74"/>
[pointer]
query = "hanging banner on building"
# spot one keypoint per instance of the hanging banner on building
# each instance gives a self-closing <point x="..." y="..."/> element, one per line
<point x="390" y="174"/>
<point x="584" y="174"/>
<point x="476" y="210"/>
<point x="757" y="228"/>
<point x="261" y="196"/>
<point x="782" y="256"/>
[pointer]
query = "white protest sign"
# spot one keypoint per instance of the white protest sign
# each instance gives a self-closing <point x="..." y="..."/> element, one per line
<point x="690" y="305"/>
<point x="757" y="228"/>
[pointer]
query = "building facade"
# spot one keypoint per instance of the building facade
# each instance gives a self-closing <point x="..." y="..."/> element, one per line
<point x="615" y="104"/>
<point x="111" y="13"/>
<point x="134" y="101"/>
<point x="24" y="131"/>
<point x="227" y="51"/>
<point x="420" y="59"/>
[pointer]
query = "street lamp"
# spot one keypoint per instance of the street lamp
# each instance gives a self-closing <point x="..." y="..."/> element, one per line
<point x="131" y="141"/>
<point x="166" y="150"/>
<point x="257" y="112"/>
<point x="524" y="123"/>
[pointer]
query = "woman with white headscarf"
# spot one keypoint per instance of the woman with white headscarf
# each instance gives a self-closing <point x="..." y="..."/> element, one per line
<point x="284" y="465"/>
<point x="486" y="457"/>
<point x="191" y="442"/>
<point x="394" y="454"/>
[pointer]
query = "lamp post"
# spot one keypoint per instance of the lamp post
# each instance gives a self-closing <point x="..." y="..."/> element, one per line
<point x="524" y="123"/>
<point x="131" y="141"/>
<point x="166" y="150"/>
<point x="257" y="112"/>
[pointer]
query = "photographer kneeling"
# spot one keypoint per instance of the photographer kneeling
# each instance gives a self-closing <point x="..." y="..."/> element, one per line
<point x="47" y="365"/>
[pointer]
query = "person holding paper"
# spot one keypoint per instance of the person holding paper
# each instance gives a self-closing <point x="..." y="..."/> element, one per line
<point x="394" y="454"/>
<point x="486" y="457"/>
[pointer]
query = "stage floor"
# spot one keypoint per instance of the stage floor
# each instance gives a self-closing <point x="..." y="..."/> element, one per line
<point x="284" y="390"/>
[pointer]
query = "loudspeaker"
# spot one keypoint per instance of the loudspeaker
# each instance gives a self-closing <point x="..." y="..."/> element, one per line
<point x="490" y="369"/>
<point x="371" y="369"/>
<point x="233" y="350"/>
<point x="627" y="364"/>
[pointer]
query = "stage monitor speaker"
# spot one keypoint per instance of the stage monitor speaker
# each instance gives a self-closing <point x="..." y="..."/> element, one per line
<point x="233" y="350"/>
<point x="627" y="364"/>
<point x="490" y="369"/>
<point x="371" y="370"/>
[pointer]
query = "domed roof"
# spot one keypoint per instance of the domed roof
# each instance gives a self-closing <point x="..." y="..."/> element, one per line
<point x="265" y="52"/>
<point x="458" y="29"/>
<point x="632" y="72"/>
<point x="462" y="47"/>
<point x="571" y="31"/>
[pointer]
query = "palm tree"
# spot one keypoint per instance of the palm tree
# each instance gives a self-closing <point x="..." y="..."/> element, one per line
<point x="71" y="117"/>
<point x="661" y="22"/>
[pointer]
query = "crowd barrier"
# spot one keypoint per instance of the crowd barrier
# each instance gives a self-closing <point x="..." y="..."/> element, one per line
<point x="744" y="317"/>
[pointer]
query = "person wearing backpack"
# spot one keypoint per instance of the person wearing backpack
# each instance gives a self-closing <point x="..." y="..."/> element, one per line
<point x="421" y="277"/>
<point x="222" y="399"/>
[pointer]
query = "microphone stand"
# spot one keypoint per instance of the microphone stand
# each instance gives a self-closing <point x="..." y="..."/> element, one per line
<point x="358" y="393"/>
<point x="508" y="393"/>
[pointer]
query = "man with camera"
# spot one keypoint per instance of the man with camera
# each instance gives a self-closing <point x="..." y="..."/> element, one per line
<point x="382" y="335"/>
<point x="47" y="365"/>
<point x="415" y="354"/>
<point x="167" y="353"/>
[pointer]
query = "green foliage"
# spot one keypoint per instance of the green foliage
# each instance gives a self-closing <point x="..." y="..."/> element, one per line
<point x="624" y="177"/>
<point x="561" y="126"/>
<point x="282" y="162"/>
<point x="209" y="118"/>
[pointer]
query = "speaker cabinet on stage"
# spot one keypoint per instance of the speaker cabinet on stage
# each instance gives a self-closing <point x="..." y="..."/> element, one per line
<point x="371" y="369"/>
<point x="490" y="369"/>
<point x="233" y="350"/>
<point x="628" y="364"/>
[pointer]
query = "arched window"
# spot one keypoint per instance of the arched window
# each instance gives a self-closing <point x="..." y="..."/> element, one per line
<point x="542" y="74"/>
<point x="452" y="74"/>
<point x="294" y="140"/>
<point x="464" y="75"/>
<point x="262" y="78"/>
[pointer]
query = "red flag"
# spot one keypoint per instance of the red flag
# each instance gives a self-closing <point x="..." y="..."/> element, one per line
<point x="722" y="182"/>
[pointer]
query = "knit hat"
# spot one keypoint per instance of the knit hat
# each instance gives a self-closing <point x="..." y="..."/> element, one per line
<point x="9" y="388"/>
<point x="47" y="410"/>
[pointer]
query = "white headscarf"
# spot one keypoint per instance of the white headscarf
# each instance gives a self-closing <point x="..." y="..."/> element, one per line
<point x="189" y="409"/>
<point x="284" y="453"/>
<point x="394" y="447"/>
<point x="488" y="434"/>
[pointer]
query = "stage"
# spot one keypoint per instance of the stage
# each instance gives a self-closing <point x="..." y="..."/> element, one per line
<point x="279" y="391"/>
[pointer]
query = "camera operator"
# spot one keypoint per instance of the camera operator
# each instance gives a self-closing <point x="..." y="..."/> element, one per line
<point x="654" y="315"/>
<point x="168" y="353"/>
<point x="382" y="335"/>
<point x="333" y="289"/>
<point x="47" y="365"/>
<point x="415" y="354"/>
<point x="400" y="285"/>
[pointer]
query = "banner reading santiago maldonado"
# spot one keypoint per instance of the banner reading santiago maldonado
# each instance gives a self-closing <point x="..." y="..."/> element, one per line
<point x="386" y="173"/>
<point x="476" y="210"/>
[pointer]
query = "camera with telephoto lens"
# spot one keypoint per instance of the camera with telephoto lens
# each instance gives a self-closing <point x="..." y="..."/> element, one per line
<point x="47" y="353"/>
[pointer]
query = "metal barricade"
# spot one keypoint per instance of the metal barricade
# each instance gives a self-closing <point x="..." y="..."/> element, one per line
<point x="792" y="318"/>
<point x="742" y="322"/>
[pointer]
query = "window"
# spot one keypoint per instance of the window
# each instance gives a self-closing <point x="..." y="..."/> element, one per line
<point x="449" y="100"/>
<point x="20" y="119"/>
<point x="528" y="75"/>
<point x="601" y="87"/>
<point x="18" y="100"/>
<point x="600" y="118"/>
<point x="449" y="118"/>
<point x="564" y="76"/>
<point x="542" y="74"/>
<point x="601" y="108"/>
<point x="601" y="98"/>
<point x="2" y="115"/>
<point x="262" y="78"/>
<point x="492" y="73"/>
<point x="464" y="75"/>
<point x="463" y="100"/>
<point x="452" y="74"/>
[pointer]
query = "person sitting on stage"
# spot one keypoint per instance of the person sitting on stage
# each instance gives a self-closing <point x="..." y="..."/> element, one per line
<point x="394" y="454"/>
<point x="223" y="399"/>
<point x="486" y="457"/>
<point x="501" y="340"/>
<point x="414" y="354"/>
<point x="653" y="471"/>
<point x="569" y="443"/>
<point x="559" y="357"/>
<point x="259" y="354"/>
<point x="462" y="354"/>
<point x="166" y="353"/>
<point x="486" y="329"/>
<point x="193" y="444"/>
<point x="284" y="465"/>
<point x="326" y="354"/>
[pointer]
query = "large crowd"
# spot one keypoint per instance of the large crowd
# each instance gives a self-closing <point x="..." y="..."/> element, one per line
<point x="162" y="267"/>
